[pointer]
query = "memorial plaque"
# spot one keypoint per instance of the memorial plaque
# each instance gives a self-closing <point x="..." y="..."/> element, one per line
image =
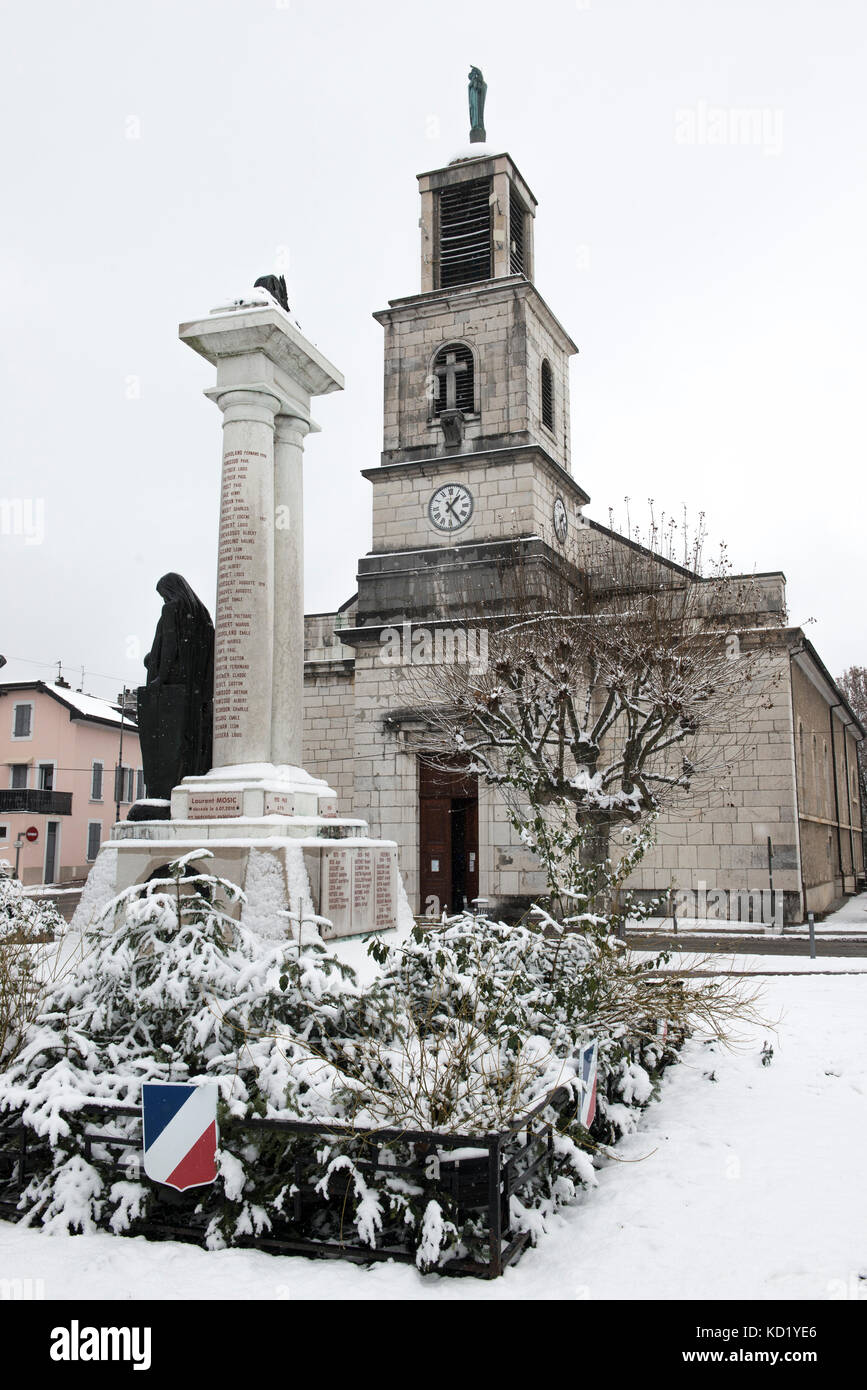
<point x="335" y="894"/>
<point x="279" y="804"/>
<point x="214" y="805"/>
<point x="385" y="897"/>
<point x="362" y="890"/>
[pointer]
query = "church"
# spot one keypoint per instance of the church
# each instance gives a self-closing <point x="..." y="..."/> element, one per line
<point x="476" y="460"/>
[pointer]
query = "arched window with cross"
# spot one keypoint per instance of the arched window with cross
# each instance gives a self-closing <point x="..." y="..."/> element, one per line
<point x="453" y="379"/>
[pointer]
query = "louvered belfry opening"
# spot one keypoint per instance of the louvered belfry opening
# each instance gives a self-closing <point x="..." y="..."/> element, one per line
<point x="547" y="395"/>
<point x="465" y="233"/>
<point x="454" y="370"/>
<point x="517" y="253"/>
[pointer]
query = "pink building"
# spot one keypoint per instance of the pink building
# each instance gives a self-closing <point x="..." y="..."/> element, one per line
<point x="62" y="751"/>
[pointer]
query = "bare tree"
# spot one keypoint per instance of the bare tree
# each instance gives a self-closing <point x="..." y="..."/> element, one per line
<point x="610" y="688"/>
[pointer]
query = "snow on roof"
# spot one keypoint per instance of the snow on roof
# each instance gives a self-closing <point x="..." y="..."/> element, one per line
<point x="477" y="151"/>
<point x="89" y="706"/>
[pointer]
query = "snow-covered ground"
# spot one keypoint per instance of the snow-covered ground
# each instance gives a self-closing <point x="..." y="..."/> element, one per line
<point x="744" y="1181"/>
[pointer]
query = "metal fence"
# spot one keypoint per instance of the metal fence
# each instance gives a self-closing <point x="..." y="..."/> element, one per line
<point x="478" y="1184"/>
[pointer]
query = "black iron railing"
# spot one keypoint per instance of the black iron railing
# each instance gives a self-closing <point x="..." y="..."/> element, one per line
<point x="34" y="802"/>
<point x="479" y="1184"/>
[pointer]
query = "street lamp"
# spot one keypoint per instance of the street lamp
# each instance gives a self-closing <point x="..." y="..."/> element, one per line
<point x="118" y="778"/>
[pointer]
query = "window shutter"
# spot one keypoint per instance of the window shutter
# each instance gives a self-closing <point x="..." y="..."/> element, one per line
<point x="517" y="261"/>
<point x="19" y="775"/>
<point x="547" y="395"/>
<point x="96" y="783"/>
<point x="465" y="233"/>
<point x="130" y="785"/>
<point x="23" y="720"/>
<point x="139" y="785"/>
<point x="118" y="783"/>
<point x="94" y="835"/>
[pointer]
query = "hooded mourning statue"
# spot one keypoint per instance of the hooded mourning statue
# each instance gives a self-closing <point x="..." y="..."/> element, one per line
<point x="276" y="287"/>
<point x="175" y="708"/>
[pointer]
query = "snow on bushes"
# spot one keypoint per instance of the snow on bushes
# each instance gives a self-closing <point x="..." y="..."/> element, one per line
<point x="26" y="925"/>
<point x="470" y="1024"/>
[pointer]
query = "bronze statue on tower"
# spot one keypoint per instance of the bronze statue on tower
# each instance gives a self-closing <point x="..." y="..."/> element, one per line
<point x="478" y="89"/>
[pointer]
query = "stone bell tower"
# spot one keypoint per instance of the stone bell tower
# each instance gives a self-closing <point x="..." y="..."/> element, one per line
<point x="476" y="459"/>
<point x="476" y="439"/>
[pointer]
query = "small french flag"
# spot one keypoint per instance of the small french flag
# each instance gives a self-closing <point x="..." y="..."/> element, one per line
<point x="179" y="1125"/>
<point x="589" y="1057"/>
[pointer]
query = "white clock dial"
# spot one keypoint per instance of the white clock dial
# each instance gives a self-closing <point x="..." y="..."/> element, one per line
<point x="451" y="507"/>
<point x="561" y="524"/>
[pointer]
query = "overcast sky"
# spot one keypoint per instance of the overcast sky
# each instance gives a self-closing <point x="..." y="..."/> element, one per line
<point x="701" y="232"/>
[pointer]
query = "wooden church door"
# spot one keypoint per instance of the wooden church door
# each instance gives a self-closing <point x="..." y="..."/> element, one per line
<point x="448" y="839"/>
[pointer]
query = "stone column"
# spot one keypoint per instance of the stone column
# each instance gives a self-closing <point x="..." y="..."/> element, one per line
<point x="287" y="701"/>
<point x="244" y="626"/>
<point x="266" y="368"/>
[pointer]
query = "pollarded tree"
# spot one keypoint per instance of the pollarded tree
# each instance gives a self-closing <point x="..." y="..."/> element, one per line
<point x="611" y="688"/>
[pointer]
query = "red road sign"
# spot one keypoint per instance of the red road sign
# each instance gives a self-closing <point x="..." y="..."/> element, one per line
<point x="31" y="833"/>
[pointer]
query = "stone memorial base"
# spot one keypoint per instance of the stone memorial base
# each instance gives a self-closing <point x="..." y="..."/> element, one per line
<point x="322" y="865"/>
<point x="253" y="790"/>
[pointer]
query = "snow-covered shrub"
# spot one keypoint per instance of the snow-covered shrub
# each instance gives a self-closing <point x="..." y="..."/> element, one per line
<point x="26" y="925"/>
<point x="470" y="1025"/>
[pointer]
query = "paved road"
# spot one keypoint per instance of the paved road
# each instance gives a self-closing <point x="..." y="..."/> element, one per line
<point x="706" y="943"/>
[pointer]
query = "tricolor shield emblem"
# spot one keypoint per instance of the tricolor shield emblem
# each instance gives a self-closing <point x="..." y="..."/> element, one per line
<point x="179" y="1128"/>
<point x="589" y="1056"/>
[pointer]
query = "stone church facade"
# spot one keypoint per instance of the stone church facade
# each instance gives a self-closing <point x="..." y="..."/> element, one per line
<point x="476" y="461"/>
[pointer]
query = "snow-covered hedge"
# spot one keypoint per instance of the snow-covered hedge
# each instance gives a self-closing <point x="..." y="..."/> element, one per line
<point x="470" y="1023"/>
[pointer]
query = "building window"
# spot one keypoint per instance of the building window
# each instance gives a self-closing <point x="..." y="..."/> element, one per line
<point x="454" y="373"/>
<point x="46" y="777"/>
<point x="22" y="726"/>
<point x="465" y="233"/>
<point x="547" y="395"/>
<point x="94" y="835"/>
<point x="517" y="223"/>
<point x="18" y="778"/>
<point x="96" y="781"/>
<point x="124" y="784"/>
<point x="4" y="832"/>
<point x="139" y="785"/>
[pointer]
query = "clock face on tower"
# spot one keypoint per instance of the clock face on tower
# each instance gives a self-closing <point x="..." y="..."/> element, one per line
<point x="560" y="522"/>
<point x="451" y="507"/>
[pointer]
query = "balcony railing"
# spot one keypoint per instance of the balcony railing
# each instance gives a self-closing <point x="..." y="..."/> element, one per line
<point x="33" y="802"/>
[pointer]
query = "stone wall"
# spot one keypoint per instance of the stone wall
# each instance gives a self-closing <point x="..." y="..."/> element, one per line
<point x="830" y="816"/>
<point x="714" y="839"/>
<point x="329" y="706"/>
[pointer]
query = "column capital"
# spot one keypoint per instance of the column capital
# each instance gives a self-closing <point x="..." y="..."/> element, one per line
<point x="291" y="429"/>
<point x="245" y="403"/>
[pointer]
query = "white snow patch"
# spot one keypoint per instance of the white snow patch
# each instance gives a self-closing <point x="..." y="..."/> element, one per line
<point x="98" y="890"/>
<point x="264" y="911"/>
